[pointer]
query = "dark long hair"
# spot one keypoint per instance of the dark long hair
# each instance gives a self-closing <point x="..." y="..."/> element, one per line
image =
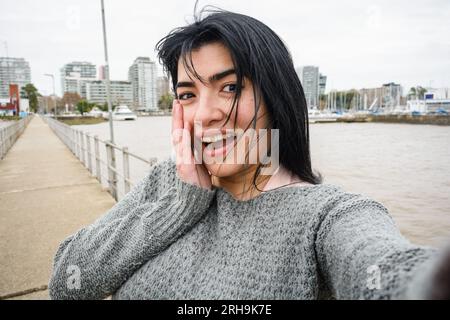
<point x="259" y="54"/>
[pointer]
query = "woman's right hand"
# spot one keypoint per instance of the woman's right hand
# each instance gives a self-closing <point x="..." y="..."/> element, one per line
<point x="187" y="169"/>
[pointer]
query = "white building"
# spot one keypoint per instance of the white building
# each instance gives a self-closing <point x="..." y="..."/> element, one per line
<point x="102" y="72"/>
<point x="121" y="92"/>
<point x="74" y="76"/>
<point x="322" y="83"/>
<point x="142" y="75"/>
<point x="438" y="93"/>
<point x="437" y="99"/>
<point x="163" y="86"/>
<point x="392" y="93"/>
<point x="309" y="77"/>
<point x="13" y="70"/>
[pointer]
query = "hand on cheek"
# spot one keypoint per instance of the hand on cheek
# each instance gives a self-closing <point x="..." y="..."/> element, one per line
<point x="187" y="169"/>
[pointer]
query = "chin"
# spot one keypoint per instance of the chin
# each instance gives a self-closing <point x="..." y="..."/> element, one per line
<point x="223" y="170"/>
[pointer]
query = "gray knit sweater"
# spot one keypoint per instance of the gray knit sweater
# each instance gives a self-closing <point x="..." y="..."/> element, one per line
<point x="168" y="239"/>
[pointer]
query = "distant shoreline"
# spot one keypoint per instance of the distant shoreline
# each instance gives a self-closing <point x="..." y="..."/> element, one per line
<point x="441" y="120"/>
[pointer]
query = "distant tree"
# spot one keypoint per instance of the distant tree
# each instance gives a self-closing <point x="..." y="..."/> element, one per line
<point x="421" y="92"/>
<point x="84" y="106"/>
<point x="31" y="93"/>
<point x="165" y="102"/>
<point x="417" y="93"/>
<point x="412" y="93"/>
<point x="323" y="101"/>
<point x="71" y="99"/>
<point x="103" y="107"/>
<point x="349" y="95"/>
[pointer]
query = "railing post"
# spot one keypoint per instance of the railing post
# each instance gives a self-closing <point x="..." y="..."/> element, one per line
<point x="97" y="160"/>
<point x="126" y="169"/>
<point x="1" y="144"/>
<point x="75" y="139"/>
<point x="110" y="162"/>
<point x="9" y="137"/>
<point x="79" y="144"/>
<point x="83" y="158"/>
<point x="88" y="153"/>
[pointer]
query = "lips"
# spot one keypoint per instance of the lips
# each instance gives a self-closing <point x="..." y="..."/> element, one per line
<point x="217" y="137"/>
<point x="219" y="147"/>
<point x="216" y="142"/>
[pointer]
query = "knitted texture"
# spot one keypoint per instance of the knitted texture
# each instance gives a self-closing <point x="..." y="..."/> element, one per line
<point x="168" y="239"/>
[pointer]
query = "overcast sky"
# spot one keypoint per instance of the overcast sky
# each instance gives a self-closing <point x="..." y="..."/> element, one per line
<point x="355" y="43"/>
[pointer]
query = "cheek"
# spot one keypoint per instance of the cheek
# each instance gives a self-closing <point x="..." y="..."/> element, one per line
<point x="188" y="115"/>
<point x="246" y="112"/>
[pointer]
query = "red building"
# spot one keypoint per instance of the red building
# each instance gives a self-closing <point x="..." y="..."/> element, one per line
<point x="13" y="106"/>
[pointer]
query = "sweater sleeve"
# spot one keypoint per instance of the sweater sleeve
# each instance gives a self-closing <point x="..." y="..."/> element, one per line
<point x="362" y="254"/>
<point x="94" y="262"/>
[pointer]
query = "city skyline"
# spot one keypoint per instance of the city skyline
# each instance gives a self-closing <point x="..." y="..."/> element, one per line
<point x="356" y="45"/>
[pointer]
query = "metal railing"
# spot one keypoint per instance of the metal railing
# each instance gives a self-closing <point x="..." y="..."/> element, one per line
<point x="10" y="133"/>
<point x="99" y="157"/>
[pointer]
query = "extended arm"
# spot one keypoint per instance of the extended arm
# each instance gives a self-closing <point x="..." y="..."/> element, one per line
<point x="362" y="254"/>
<point x="106" y="253"/>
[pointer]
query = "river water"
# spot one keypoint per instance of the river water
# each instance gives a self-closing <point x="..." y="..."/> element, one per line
<point x="405" y="167"/>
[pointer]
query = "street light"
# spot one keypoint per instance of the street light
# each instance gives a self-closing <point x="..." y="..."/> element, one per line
<point x="108" y="87"/>
<point x="54" y="96"/>
<point x="112" y="156"/>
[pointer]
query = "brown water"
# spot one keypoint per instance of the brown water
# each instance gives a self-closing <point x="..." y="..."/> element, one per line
<point x="405" y="167"/>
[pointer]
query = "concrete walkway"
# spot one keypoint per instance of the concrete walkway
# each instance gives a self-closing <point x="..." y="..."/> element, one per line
<point x="46" y="194"/>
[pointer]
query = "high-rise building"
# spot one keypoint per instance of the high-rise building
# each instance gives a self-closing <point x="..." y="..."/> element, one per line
<point x="142" y="75"/>
<point x="391" y="95"/>
<point x="121" y="92"/>
<point x="74" y="76"/>
<point x="387" y="96"/>
<point x="322" y="83"/>
<point x="13" y="71"/>
<point x="163" y="86"/>
<point x="102" y="72"/>
<point x="309" y="77"/>
<point x="371" y="98"/>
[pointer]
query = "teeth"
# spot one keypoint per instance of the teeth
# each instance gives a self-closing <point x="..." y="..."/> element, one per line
<point x="216" y="138"/>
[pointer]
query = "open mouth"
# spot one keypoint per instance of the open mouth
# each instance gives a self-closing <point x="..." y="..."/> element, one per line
<point x="218" y="144"/>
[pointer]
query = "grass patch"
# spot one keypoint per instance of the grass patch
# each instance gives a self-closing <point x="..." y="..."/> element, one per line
<point x="10" y="118"/>
<point x="82" y="121"/>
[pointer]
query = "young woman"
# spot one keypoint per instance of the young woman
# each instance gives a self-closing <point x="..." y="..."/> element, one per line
<point x="221" y="229"/>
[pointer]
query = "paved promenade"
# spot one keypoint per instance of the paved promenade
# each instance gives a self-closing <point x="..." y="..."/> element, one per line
<point x="46" y="194"/>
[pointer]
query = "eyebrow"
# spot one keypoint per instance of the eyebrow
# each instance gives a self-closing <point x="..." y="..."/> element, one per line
<point x="214" y="78"/>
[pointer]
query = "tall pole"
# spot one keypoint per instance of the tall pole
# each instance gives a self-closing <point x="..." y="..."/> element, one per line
<point x="111" y="153"/>
<point x="108" y="88"/>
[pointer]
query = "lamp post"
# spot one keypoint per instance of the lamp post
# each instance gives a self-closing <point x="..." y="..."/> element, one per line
<point x="54" y="96"/>
<point x="110" y="149"/>
<point x="108" y="85"/>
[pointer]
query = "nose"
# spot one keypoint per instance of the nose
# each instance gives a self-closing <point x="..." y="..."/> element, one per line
<point x="209" y="113"/>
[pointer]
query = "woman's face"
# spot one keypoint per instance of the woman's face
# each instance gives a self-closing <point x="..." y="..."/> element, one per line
<point x="208" y="105"/>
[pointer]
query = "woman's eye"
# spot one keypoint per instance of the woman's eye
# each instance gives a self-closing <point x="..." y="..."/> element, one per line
<point x="185" y="96"/>
<point x="231" y="87"/>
